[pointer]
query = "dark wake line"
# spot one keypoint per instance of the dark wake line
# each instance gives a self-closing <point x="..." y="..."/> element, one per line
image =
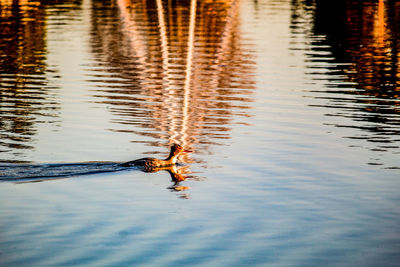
<point x="39" y="172"/>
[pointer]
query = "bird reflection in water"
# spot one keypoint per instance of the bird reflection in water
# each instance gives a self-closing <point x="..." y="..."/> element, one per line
<point x="178" y="174"/>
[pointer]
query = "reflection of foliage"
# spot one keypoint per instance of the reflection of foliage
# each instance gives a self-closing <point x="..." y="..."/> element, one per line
<point x="365" y="34"/>
<point x="25" y="96"/>
<point x="22" y="64"/>
<point x="363" y="37"/>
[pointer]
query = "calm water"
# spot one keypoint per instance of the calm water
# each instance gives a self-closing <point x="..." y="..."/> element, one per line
<point x="292" y="109"/>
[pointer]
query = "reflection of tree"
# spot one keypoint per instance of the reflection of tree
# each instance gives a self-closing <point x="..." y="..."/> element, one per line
<point x="176" y="69"/>
<point x="363" y="37"/>
<point x="366" y="34"/>
<point x="24" y="94"/>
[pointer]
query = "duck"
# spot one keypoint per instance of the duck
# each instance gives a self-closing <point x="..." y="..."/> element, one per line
<point x="150" y="163"/>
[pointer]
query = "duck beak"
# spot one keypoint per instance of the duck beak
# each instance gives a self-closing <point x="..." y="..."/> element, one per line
<point x="187" y="151"/>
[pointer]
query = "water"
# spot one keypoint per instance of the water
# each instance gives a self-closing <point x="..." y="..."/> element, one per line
<point x="291" y="109"/>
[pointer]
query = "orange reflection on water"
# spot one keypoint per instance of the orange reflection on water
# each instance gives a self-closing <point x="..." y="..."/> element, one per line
<point x="365" y="84"/>
<point x="184" y="72"/>
<point x="376" y="53"/>
<point x="380" y="23"/>
<point x="24" y="96"/>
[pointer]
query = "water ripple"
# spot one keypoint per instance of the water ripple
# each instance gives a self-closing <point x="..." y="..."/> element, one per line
<point x="173" y="89"/>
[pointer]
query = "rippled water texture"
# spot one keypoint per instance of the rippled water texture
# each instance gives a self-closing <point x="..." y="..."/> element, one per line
<point x="291" y="109"/>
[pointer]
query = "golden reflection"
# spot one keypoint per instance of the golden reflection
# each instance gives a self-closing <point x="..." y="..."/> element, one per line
<point x="380" y="23"/>
<point x="25" y="98"/>
<point x="362" y="37"/>
<point x="184" y="73"/>
<point x="365" y="34"/>
<point x="376" y="53"/>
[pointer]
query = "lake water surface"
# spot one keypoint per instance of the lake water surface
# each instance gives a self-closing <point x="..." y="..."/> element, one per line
<point x="291" y="108"/>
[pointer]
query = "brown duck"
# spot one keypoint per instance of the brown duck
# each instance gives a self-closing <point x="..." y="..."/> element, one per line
<point x="157" y="163"/>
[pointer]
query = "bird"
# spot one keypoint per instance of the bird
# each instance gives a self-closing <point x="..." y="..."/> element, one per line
<point x="150" y="163"/>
